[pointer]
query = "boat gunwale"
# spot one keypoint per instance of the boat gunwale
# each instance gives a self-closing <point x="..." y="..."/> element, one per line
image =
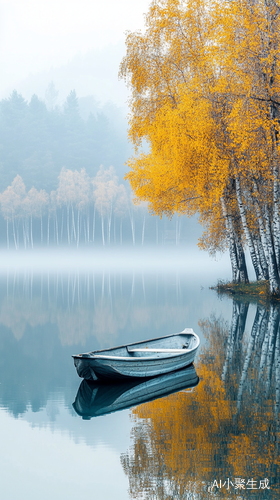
<point x="94" y="355"/>
<point x="140" y="358"/>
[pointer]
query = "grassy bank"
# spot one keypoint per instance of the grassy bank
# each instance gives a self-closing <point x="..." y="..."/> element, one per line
<point x="258" y="290"/>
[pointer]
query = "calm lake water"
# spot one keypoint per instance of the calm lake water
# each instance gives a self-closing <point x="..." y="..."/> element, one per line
<point x="217" y="436"/>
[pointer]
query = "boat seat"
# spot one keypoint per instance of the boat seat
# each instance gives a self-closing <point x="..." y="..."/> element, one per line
<point x="132" y="350"/>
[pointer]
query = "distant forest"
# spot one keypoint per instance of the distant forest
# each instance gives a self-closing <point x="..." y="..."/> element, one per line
<point x="38" y="139"/>
<point x="59" y="176"/>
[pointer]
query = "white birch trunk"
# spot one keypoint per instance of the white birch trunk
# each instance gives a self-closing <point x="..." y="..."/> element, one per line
<point x="236" y="252"/>
<point x="121" y="232"/>
<point x="263" y="260"/>
<point x="73" y="230"/>
<point x="78" y="228"/>
<point x="157" y="233"/>
<point x="261" y="225"/>
<point x="68" y="224"/>
<point x="14" y="234"/>
<point x="62" y="223"/>
<point x="23" y="234"/>
<point x="93" y="225"/>
<point x="109" y="225"/>
<point x="48" y="233"/>
<point x="41" y="229"/>
<point x="56" y="229"/>
<point x="17" y="232"/>
<point x="27" y="231"/>
<point x="102" y="229"/>
<point x="85" y="231"/>
<point x="276" y="221"/>
<point x="8" y="242"/>
<point x="143" y="229"/>
<point x="254" y="257"/>
<point x="132" y="227"/>
<point x="31" y="231"/>
<point x="272" y="265"/>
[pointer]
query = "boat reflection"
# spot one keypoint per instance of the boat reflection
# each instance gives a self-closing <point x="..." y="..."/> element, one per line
<point x="95" y="399"/>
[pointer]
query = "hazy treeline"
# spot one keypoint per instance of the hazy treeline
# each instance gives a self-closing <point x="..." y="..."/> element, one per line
<point x="38" y="138"/>
<point x="82" y="209"/>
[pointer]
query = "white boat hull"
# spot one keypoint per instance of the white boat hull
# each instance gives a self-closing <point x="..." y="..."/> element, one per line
<point x="140" y="360"/>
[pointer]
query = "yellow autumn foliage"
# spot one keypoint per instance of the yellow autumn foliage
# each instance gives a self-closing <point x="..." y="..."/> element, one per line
<point x="205" y="94"/>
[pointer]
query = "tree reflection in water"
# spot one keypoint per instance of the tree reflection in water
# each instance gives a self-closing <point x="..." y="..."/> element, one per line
<point x="227" y="429"/>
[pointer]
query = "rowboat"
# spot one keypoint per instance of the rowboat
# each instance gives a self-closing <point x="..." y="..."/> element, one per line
<point x="94" y="399"/>
<point x="147" y="358"/>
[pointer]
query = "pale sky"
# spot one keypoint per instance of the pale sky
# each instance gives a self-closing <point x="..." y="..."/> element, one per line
<point x="36" y="35"/>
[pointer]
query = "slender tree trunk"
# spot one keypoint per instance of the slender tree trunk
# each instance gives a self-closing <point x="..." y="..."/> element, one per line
<point x="254" y="257"/>
<point x="260" y="222"/>
<point x="231" y="243"/>
<point x="132" y="226"/>
<point x="121" y="231"/>
<point x="56" y="227"/>
<point x="272" y="265"/>
<point x="27" y="230"/>
<point x="41" y="229"/>
<point x="68" y="224"/>
<point x="14" y="234"/>
<point x="157" y="233"/>
<point x="88" y="225"/>
<point x="31" y="231"/>
<point x="93" y="225"/>
<point x="243" y="273"/>
<point x="78" y="228"/>
<point x="17" y="232"/>
<point x="143" y="229"/>
<point x="236" y="252"/>
<point x="23" y="233"/>
<point x="263" y="260"/>
<point x="85" y="231"/>
<point x="276" y="221"/>
<point x="8" y="242"/>
<point x="73" y="230"/>
<point x="109" y="226"/>
<point x="48" y="235"/>
<point x="102" y="229"/>
<point x="62" y="222"/>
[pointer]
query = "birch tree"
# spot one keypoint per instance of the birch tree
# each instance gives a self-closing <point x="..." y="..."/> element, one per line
<point x="105" y="190"/>
<point x="11" y="203"/>
<point x="205" y="86"/>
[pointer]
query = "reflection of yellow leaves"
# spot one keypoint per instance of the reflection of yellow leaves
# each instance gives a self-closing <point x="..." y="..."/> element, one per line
<point x="194" y="438"/>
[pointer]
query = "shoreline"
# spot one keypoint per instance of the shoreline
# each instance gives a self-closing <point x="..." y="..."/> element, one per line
<point x="255" y="290"/>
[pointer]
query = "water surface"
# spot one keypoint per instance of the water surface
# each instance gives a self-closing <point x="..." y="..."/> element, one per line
<point x="226" y="427"/>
